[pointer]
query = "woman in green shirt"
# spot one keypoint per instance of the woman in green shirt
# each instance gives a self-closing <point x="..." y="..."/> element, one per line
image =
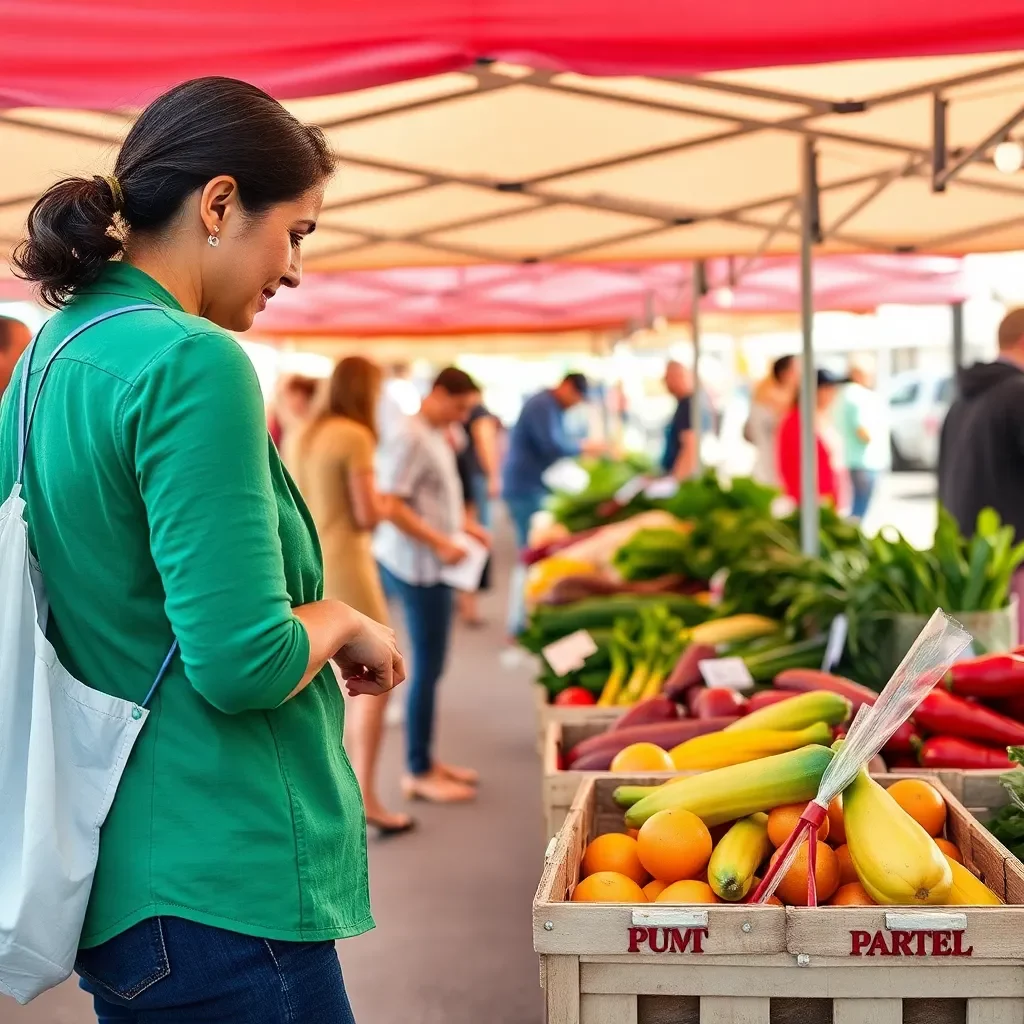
<point x="235" y="851"/>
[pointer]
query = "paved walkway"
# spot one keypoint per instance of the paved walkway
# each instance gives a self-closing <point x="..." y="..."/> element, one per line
<point x="452" y="900"/>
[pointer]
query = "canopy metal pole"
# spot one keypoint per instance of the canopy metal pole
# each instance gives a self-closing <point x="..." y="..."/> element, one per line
<point x="809" y="231"/>
<point x="696" y="403"/>
<point x="957" y="309"/>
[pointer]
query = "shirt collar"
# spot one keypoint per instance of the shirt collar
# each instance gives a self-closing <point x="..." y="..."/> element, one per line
<point x="119" y="278"/>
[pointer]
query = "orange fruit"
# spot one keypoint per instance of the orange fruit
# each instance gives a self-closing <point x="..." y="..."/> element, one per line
<point x="674" y="845"/>
<point x="642" y="757"/>
<point x="782" y="821"/>
<point x="847" y="872"/>
<point x="632" y="832"/>
<point x="951" y="850"/>
<point x="608" y="887"/>
<point x="617" y="852"/>
<point x="923" y="802"/>
<point x="836" y="825"/>
<point x="793" y="887"/>
<point x="654" y="888"/>
<point x="853" y="894"/>
<point x="688" y="891"/>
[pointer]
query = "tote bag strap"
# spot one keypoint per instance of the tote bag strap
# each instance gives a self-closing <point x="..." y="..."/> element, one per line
<point x="26" y="414"/>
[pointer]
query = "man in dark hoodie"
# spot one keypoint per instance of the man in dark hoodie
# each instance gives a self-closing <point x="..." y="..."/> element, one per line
<point x="981" y="451"/>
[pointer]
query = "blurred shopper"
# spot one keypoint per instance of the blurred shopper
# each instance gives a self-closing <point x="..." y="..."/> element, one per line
<point x="14" y="339"/>
<point x="680" y="456"/>
<point x="770" y="404"/>
<point x="234" y="852"/>
<point x="480" y="473"/>
<point x="333" y="463"/>
<point x="864" y="436"/>
<point x="788" y="454"/>
<point x="537" y="441"/>
<point x="417" y="469"/>
<point x="981" y="449"/>
<point x="292" y="407"/>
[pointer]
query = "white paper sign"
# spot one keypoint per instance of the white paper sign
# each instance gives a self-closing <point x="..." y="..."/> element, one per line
<point x="570" y="653"/>
<point x="731" y="673"/>
<point x="466" y="575"/>
<point x="836" y="642"/>
<point x="630" y="489"/>
<point x="663" y="488"/>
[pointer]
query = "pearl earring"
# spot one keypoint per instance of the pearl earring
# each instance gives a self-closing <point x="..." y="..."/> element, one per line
<point x="213" y="240"/>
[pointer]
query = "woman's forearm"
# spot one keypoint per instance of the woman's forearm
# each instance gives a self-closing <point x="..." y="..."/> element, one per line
<point x="329" y="626"/>
<point x="413" y="526"/>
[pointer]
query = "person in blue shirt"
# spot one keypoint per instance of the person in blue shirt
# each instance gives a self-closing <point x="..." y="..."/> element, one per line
<point x="680" y="455"/>
<point x="536" y="442"/>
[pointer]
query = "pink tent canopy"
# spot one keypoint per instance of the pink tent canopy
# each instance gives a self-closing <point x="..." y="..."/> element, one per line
<point x="560" y="297"/>
<point x="113" y="53"/>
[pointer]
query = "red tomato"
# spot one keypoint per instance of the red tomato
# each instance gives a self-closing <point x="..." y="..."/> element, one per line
<point x="575" y="696"/>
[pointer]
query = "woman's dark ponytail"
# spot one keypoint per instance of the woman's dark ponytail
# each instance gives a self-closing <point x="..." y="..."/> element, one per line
<point x="187" y="137"/>
<point x="70" y="238"/>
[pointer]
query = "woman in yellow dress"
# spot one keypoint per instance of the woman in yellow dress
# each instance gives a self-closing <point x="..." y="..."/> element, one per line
<point x="332" y="461"/>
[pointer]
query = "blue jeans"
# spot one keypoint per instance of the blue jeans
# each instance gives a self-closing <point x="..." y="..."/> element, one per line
<point x="167" y="970"/>
<point x="428" y="621"/>
<point x="863" y="481"/>
<point x="521" y="511"/>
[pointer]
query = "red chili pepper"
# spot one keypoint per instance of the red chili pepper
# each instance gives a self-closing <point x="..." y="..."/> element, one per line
<point x="946" y="714"/>
<point x="1013" y="707"/>
<point x="804" y="680"/>
<point x="902" y="740"/>
<point x="993" y="675"/>
<point x="953" y="752"/>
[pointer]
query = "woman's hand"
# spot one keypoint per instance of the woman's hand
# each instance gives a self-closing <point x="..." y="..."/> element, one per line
<point x="369" y="661"/>
<point x="448" y="552"/>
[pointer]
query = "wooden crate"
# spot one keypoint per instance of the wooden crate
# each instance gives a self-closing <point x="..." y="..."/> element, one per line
<point x="979" y="791"/>
<point x="559" y="788"/>
<point x="549" y="713"/>
<point x="601" y="964"/>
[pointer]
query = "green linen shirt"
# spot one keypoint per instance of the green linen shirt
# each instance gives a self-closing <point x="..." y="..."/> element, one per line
<point x="158" y="508"/>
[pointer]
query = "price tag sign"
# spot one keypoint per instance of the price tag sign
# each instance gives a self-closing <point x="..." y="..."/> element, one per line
<point x="630" y="489"/>
<point x="662" y="489"/>
<point x="731" y="673"/>
<point x="569" y="654"/>
<point x="836" y="643"/>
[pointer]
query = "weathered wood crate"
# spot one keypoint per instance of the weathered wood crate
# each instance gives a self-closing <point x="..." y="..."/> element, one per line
<point x="979" y="791"/>
<point x="559" y="787"/>
<point x="549" y="713"/>
<point x="719" y="964"/>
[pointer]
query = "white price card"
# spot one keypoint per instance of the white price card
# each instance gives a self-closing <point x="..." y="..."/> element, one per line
<point x="661" y="489"/>
<point x="731" y="673"/>
<point x="836" y="643"/>
<point x="630" y="489"/>
<point x="569" y="654"/>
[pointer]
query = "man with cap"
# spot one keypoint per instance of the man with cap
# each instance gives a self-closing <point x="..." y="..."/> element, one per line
<point x="789" y="443"/>
<point x="536" y="442"/>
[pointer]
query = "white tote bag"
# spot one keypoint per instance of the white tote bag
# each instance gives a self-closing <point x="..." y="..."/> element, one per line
<point x="63" y="748"/>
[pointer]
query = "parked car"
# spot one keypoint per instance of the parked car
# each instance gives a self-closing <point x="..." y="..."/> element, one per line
<point x="918" y="403"/>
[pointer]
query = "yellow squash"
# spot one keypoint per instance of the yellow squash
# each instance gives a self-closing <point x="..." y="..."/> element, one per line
<point x="732" y="629"/>
<point x="968" y="891"/>
<point x="737" y="856"/>
<point x="894" y="857"/>
<point x="725" y="794"/>
<point x="797" y="713"/>
<point x="719" y="749"/>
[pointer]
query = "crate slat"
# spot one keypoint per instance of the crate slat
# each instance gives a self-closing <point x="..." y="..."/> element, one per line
<point x="867" y="1011"/>
<point x="994" y="1011"/>
<point x="563" y="990"/>
<point x="608" y="1009"/>
<point x="716" y="1010"/>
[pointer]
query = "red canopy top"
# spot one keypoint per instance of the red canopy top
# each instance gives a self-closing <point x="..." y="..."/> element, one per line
<point x="560" y="297"/>
<point x="117" y="53"/>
